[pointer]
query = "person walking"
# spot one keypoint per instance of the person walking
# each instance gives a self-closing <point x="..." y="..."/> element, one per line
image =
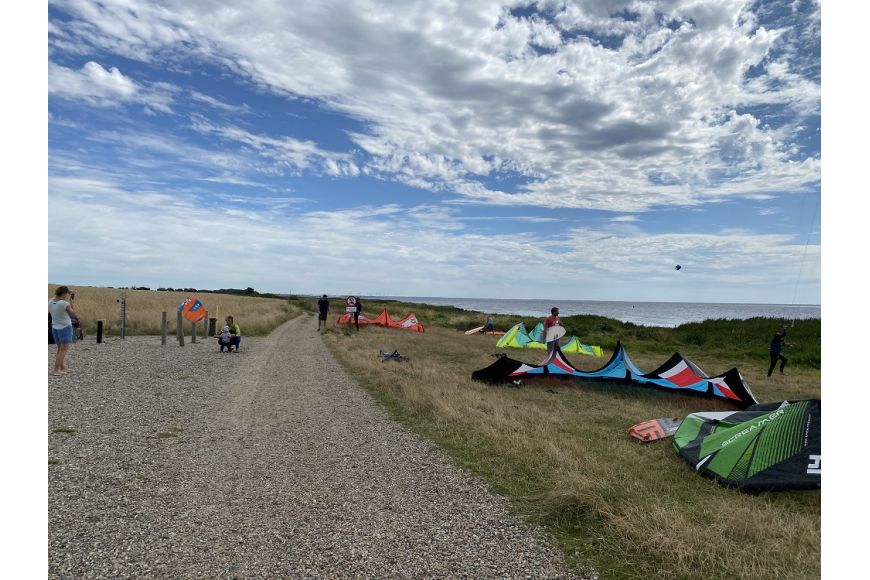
<point x="62" y="314"/>
<point x="357" y="312"/>
<point x="323" y="307"/>
<point x="777" y="343"/>
<point x="551" y="321"/>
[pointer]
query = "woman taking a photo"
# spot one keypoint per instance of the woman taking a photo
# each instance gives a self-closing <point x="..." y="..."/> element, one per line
<point x="62" y="314"/>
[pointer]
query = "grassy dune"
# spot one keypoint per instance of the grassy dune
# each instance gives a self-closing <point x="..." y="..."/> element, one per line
<point x="255" y="315"/>
<point x="559" y="449"/>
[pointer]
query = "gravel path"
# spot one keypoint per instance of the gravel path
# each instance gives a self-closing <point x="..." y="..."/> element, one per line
<point x="170" y="462"/>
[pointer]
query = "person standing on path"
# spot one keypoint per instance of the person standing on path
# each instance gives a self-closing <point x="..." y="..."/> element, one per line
<point x="552" y="320"/>
<point x="776" y="345"/>
<point x="357" y="312"/>
<point x="323" y="307"/>
<point x="62" y="314"/>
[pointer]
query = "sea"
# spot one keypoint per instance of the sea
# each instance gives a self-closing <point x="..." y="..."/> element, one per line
<point x="667" y="314"/>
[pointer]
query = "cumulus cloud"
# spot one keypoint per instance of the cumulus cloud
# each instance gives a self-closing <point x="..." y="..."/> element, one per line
<point x="592" y="101"/>
<point x="106" y="87"/>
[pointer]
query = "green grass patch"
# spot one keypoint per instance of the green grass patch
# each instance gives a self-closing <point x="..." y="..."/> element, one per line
<point x="560" y="452"/>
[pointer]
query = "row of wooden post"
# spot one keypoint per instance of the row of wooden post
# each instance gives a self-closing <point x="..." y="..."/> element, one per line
<point x="208" y="326"/>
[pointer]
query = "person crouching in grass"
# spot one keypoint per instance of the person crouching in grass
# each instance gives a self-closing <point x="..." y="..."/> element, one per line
<point x="62" y="314"/>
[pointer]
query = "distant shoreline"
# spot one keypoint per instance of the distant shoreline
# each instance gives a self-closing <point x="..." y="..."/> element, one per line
<point x="666" y="314"/>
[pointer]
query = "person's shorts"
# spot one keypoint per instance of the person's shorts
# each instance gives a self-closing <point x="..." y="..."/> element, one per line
<point x="322" y="316"/>
<point x="62" y="335"/>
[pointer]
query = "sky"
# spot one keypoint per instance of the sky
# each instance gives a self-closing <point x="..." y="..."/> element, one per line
<point x="563" y="150"/>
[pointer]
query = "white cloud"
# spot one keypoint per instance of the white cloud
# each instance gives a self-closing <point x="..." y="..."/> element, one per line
<point x="420" y="251"/>
<point x="467" y="91"/>
<point x="105" y="87"/>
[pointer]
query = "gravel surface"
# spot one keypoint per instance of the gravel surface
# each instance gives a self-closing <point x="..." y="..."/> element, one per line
<point x="178" y="462"/>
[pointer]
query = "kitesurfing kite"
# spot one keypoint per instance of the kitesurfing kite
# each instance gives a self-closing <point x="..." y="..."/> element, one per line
<point x="410" y="322"/>
<point x="677" y="374"/>
<point x="678" y="267"/>
<point x="763" y="447"/>
<point x="518" y="337"/>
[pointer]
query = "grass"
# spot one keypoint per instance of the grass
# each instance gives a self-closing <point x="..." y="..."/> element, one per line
<point x="559" y="450"/>
<point x="255" y="315"/>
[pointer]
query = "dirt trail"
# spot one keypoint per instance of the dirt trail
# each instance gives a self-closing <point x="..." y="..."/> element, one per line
<point x="271" y="462"/>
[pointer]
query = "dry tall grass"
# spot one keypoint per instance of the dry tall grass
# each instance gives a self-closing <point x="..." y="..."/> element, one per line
<point x="560" y="451"/>
<point x="255" y="315"/>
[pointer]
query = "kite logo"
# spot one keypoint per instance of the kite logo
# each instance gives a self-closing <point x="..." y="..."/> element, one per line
<point x="815" y="465"/>
<point x="192" y="309"/>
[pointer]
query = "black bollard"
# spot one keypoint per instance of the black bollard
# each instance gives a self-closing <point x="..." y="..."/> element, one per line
<point x="99" y="331"/>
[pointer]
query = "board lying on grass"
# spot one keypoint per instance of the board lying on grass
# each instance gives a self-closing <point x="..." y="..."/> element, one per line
<point x="655" y="429"/>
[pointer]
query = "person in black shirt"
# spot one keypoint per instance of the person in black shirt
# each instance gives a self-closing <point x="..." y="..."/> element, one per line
<point x="776" y="345"/>
<point x="356" y="313"/>
<point x="323" y="305"/>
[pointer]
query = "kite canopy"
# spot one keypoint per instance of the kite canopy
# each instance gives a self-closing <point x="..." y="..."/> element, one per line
<point x="764" y="447"/>
<point x="410" y="322"/>
<point x="537" y="333"/>
<point x="677" y="374"/>
<point x="517" y="337"/>
<point x="575" y="346"/>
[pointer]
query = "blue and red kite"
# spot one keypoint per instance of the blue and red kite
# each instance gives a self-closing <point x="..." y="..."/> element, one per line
<point x="192" y="309"/>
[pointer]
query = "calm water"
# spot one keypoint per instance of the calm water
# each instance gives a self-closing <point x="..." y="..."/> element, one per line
<point x="643" y="313"/>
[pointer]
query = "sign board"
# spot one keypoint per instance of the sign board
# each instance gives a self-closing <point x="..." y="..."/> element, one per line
<point x="351" y="303"/>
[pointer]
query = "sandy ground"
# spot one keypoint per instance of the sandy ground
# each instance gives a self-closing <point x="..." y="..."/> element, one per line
<point x="180" y="462"/>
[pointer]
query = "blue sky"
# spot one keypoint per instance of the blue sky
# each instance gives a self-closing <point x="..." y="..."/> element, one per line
<point x="564" y="150"/>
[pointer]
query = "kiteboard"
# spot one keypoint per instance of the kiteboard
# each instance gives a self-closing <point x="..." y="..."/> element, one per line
<point x="554" y="333"/>
<point x="479" y="330"/>
<point x="655" y="429"/>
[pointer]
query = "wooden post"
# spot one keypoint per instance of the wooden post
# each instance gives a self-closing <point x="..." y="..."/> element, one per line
<point x="179" y="329"/>
<point x="205" y="326"/>
<point x="212" y="326"/>
<point x="123" y="303"/>
<point x="99" y="331"/>
<point x="192" y="332"/>
<point x="163" y="328"/>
